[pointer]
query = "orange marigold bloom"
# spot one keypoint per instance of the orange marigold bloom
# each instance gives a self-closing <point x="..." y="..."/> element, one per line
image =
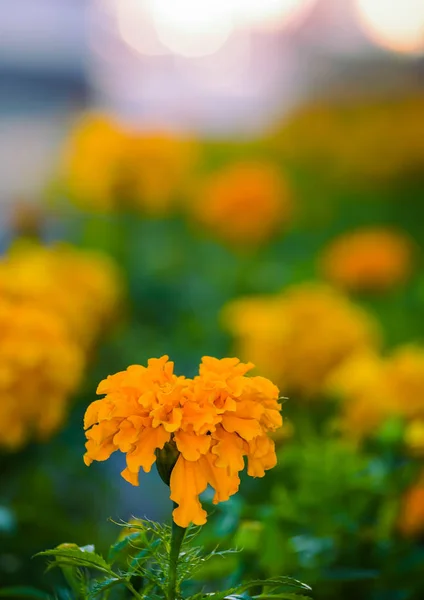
<point x="369" y="259"/>
<point x="210" y="423"/>
<point x="411" y="517"/>
<point x="244" y="203"/>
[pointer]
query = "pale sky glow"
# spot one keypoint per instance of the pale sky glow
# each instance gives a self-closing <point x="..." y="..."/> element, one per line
<point x="395" y="24"/>
<point x="197" y="27"/>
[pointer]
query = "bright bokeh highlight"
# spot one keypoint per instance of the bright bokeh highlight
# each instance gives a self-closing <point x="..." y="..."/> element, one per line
<point x="393" y="24"/>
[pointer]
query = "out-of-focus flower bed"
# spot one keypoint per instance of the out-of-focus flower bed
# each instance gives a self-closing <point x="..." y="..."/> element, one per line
<point x="301" y="252"/>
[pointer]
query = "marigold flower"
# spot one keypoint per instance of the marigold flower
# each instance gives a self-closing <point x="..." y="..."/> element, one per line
<point x="211" y="421"/>
<point x="40" y="367"/>
<point x="373" y="388"/>
<point x="93" y="162"/>
<point x="414" y="437"/>
<point x="299" y="336"/>
<point x="159" y="166"/>
<point x="361" y="384"/>
<point x="244" y="203"/>
<point x="369" y="259"/>
<point x="411" y="516"/>
<point x="107" y="166"/>
<point x="83" y="287"/>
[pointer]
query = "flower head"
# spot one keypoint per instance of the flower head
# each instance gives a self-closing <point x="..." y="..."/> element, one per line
<point x="245" y="203"/>
<point x="209" y="423"/>
<point x="108" y="166"/>
<point x="82" y="287"/>
<point x="299" y="336"/>
<point x="40" y="368"/>
<point x="372" y="259"/>
<point x="373" y="388"/>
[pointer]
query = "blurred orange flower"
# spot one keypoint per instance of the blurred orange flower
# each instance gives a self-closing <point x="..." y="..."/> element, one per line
<point x="208" y="423"/>
<point x="245" y="203"/>
<point x="369" y="259"/>
<point x="411" y="517"/>
<point x="299" y="336"/>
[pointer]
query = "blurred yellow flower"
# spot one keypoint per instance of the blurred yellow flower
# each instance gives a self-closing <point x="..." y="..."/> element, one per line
<point x="405" y="374"/>
<point x="369" y="259"/>
<point x="360" y="383"/>
<point x="373" y="388"/>
<point x="107" y="166"/>
<point x="414" y="437"/>
<point x="299" y="336"/>
<point x="208" y="424"/>
<point x="411" y="516"/>
<point x="93" y="162"/>
<point x="40" y="367"/>
<point x="83" y="287"/>
<point x="244" y="203"/>
<point x="159" y="167"/>
<point x="354" y="142"/>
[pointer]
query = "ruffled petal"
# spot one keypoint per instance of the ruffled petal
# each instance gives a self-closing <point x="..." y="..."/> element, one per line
<point x="229" y="450"/>
<point x="143" y="454"/>
<point x="188" y="481"/>
<point x="192" y="446"/>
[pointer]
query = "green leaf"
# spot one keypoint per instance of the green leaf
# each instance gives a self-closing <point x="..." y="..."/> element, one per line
<point x="102" y="586"/>
<point x="275" y="582"/>
<point x="24" y="592"/>
<point x="78" y="557"/>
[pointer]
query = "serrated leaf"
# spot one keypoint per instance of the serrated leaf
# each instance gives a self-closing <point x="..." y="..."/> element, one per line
<point x="102" y="586"/>
<point x="78" y="557"/>
<point x="24" y="592"/>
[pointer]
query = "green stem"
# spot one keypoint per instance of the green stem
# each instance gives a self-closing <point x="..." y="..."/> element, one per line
<point x="177" y="537"/>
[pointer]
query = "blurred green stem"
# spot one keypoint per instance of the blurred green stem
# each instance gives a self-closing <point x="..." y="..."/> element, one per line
<point x="177" y="537"/>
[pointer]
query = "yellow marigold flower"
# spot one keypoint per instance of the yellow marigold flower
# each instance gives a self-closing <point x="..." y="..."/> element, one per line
<point x="40" y="367"/>
<point x="209" y="423"/>
<point x="108" y="166"/>
<point x="374" y="388"/>
<point x="93" y="162"/>
<point x="369" y="259"/>
<point x="405" y="374"/>
<point x="83" y="287"/>
<point x="159" y="167"/>
<point x="411" y="517"/>
<point x="299" y="336"/>
<point x="244" y="203"/>
<point x="361" y="384"/>
<point x="414" y="437"/>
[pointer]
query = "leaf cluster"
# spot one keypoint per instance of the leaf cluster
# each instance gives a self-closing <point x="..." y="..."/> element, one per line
<point x="137" y="567"/>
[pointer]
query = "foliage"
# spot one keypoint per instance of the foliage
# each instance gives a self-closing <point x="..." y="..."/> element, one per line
<point x="138" y="566"/>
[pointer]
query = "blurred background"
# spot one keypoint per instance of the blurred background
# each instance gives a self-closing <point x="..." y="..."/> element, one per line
<point x="242" y="177"/>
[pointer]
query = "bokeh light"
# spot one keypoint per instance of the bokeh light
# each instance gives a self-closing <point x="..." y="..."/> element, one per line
<point x="394" y="24"/>
<point x="196" y="27"/>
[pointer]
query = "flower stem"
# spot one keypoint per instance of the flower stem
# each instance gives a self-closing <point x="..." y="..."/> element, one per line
<point x="177" y="537"/>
